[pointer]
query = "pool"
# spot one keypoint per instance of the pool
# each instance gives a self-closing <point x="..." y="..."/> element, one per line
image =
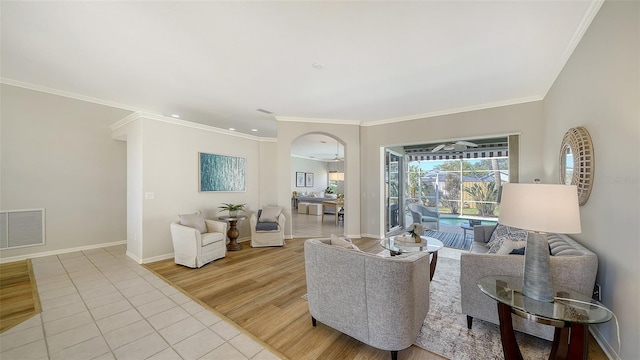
<point x="455" y="221"/>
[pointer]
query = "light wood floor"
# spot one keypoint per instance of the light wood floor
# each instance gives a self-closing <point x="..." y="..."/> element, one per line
<point x="18" y="294"/>
<point x="260" y="290"/>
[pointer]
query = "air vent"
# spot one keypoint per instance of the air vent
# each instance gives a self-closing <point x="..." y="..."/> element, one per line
<point x="265" y="111"/>
<point x="20" y="228"/>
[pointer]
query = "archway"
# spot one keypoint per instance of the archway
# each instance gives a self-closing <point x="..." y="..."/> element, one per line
<point x="316" y="208"/>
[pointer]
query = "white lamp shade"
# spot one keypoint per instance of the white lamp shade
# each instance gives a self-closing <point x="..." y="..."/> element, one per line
<point x="336" y="176"/>
<point x="551" y="208"/>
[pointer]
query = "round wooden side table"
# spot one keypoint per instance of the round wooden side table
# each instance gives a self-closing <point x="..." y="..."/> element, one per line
<point x="233" y="231"/>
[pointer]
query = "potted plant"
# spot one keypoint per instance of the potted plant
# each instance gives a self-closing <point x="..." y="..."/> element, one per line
<point x="416" y="230"/>
<point x="232" y="208"/>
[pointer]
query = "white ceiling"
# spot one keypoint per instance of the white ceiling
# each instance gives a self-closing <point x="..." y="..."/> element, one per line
<point x="216" y="63"/>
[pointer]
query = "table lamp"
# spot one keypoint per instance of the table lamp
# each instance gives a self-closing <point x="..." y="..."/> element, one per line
<point x="539" y="209"/>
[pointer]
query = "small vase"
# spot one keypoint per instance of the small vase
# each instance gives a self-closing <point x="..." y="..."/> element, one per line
<point x="417" y="238"/>
<point x="233" y="213"/>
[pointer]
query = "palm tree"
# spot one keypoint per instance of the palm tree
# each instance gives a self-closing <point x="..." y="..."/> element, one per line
<point x="485" y="196"/>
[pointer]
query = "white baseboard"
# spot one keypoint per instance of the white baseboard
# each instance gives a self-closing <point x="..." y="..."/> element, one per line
<point x="156" y="258"/>
<point x="376" y="236"/>
<point x="58" y="252"/>
<point x="604" y="345"/>
<point x="135" y="258"/>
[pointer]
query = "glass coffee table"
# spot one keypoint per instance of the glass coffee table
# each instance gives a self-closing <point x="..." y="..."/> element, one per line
<point x="570" y="313"/>
<point x="398" y="245"/>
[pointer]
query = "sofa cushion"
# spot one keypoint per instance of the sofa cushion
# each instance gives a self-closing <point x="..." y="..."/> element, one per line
<point x="559" y="247"/>
<point x="267" y="226"/>
<point x="210" y="238"/>
<point x="269" y="214"/>
<point x="195" y="220"/>
<point x="502" y="233"/>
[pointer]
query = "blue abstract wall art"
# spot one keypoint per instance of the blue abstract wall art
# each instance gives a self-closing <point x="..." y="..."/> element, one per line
<point x="222" y="172"/>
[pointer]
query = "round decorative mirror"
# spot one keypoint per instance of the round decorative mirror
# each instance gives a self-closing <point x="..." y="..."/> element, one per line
<point x="577" y="161"/>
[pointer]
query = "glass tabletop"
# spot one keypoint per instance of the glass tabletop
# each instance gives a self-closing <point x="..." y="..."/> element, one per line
<point x="568" y="306"/>
<point x="402" y="244"/>
<point x="232" y="218"/>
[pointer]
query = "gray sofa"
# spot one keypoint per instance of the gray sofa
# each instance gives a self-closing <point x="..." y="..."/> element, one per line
<point x="379" y="301"/>
<point x="572" y="266"/>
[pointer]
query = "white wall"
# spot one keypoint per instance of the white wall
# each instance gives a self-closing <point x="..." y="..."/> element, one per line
<point x="170" y="171"/>
<point x="57" y="153"/>
<point x="599" y="88"/>
<point x="268" y="169"/>
<point x="524" y="119"/>
<point x="318" y="168"/>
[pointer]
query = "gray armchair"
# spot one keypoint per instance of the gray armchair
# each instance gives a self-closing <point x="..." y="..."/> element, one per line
<point x="379" y="301"/>
<point x="422" y="214"/>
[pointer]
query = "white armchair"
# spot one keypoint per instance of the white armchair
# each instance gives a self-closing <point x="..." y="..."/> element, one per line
<point x="193" y="248"/>
<point x="261" y="238"/>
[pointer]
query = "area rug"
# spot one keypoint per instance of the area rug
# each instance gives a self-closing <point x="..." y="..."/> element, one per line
<point x="456" y="241"/>
<point x="445" y="332"/>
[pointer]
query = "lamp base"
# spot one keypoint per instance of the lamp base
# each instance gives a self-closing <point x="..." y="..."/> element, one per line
<point x="537" y="268"/>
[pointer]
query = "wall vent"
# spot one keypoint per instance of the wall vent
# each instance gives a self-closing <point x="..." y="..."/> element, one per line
<point x="20" y="228"/>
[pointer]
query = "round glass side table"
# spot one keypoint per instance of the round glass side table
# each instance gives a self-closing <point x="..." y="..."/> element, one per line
<point x="570" y="313"/>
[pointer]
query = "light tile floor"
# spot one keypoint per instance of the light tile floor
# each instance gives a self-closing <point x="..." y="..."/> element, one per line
<point x="100" y="304"/>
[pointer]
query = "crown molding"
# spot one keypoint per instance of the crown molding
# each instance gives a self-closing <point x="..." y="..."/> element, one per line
<point x="147" y="114"/>
<point x="590" y="14"/>
<point x="318" y="120"/>
<point x="150" y="116"/>
<point x="455" y="111"/>
<point x="68" y="94"/>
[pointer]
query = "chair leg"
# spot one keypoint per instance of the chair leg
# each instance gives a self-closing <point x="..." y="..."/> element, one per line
<point x="394" y="355"/>
<point x="313" y="321"/>
<point x="469" y="322"/>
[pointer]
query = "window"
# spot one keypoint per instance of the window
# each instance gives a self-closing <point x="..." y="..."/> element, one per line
<point x="461" y="183"/>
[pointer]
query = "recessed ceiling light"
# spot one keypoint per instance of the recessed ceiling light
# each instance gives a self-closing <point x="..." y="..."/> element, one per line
<point x="175" y="116"/>
<point x="317" y="66"/>
<point x="254" y="130"/>
<point x="232" y="129"/>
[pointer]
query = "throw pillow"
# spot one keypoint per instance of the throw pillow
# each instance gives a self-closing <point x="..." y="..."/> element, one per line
<point x="270" y="214"/>
<point x="501" y="233"/>
<point x="508" y="246"/>
<point x="195" y="220"/>
<point x="343" y="242"/>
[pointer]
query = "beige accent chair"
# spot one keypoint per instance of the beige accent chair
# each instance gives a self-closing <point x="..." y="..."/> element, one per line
<point x="263" y="238"/>
<point x="198" y="241"/>
<point x="381" y="301"/>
